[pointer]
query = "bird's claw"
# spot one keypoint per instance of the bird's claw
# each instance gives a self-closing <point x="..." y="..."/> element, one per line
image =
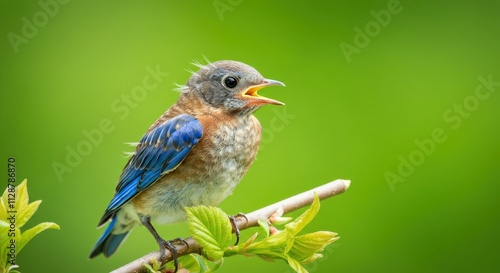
<point x="164" y="245"/>
<point x="241" y="215"/>
<point x="236" y="230"/>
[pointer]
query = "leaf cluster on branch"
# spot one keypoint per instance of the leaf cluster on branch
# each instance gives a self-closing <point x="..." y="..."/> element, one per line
<point x="15" y="211"/>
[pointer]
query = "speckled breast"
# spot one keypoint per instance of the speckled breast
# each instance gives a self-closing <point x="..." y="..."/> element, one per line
<point x="235" y="147"/>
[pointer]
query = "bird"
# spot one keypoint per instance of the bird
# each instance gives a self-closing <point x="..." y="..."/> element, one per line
<point x="195" y="153"/>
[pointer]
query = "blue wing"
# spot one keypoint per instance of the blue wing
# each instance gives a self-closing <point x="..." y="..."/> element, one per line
<point x="159" y="152"/>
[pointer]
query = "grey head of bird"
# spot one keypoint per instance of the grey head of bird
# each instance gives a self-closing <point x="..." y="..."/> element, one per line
<point x="231" y="86"/>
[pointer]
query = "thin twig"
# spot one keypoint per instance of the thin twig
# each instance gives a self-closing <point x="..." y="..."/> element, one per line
<point x="288" y="205"/>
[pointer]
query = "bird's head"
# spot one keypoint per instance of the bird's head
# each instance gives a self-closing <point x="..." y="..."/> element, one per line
<point x="231" y="86"/>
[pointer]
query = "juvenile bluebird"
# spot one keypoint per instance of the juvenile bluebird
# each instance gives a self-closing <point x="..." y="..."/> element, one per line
<point x="194" y="154"/>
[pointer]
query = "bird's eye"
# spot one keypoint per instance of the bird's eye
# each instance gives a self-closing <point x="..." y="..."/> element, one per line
<point x="230" y="81"/>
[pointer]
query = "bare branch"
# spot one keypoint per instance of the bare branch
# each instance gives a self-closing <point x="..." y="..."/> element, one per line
<point x="288" y="205"/>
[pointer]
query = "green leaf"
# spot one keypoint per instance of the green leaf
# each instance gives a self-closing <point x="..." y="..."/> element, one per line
<point x="192" y="263"/>
<point x="23" y="210"/>
<point x="306" y="247"/>
<point x="3" y="210"/>
<point x="3" y="247"/>
<point x="274" y="246"/>
<point x="155" y="265"/>
<point x="207" y="265"/>
<point x="5" y="243"/>
<point x="239" y="249"/>
<point x="298" y="224"/>
<point x="22" y="196"/>
<point x="149" y="268"/>
<point x="265" y="226"/>
<point x="23" y="215"/>
<point x="4" y="202"/>
<point x="211" y="228"/>
<point x="197" y="263"/>
<point x="32" y="232"/>
<point x="281" y="220"/>
<point x="295" y="265"/>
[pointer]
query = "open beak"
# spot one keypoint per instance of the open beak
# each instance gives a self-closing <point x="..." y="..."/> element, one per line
<point x="254" y="99"/>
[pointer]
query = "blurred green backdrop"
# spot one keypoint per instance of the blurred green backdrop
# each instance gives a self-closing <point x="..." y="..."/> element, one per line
<point x="362" y="90"/>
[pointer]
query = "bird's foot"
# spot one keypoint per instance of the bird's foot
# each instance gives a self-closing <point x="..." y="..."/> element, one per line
<point x="236" y="230"/>
<point x="164" y="245"/>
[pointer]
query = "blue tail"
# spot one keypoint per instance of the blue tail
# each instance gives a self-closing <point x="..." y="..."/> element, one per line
<point x="108" y="243"/>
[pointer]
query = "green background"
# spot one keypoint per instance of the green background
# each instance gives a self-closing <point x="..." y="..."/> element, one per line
<point x="352" y="120"/>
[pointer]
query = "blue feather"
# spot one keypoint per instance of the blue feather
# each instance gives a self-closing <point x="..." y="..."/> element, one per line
<point x="108" y="243"/>
<point x="159" y="151"/>
<point x="125" y="194"/>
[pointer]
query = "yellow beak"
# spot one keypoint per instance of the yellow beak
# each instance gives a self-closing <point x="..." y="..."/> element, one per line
<point x="250" y="94"/>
